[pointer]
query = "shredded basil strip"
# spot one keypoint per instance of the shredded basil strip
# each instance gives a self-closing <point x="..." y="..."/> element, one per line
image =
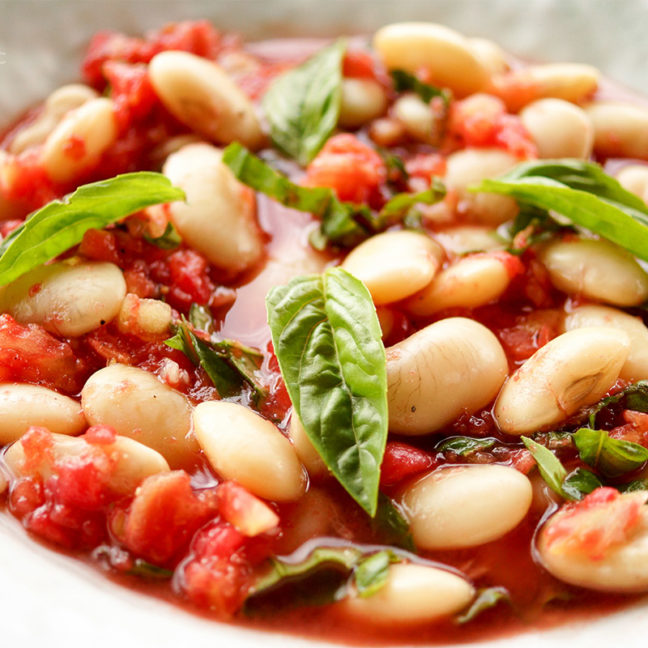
<point x="170" y="239"/>
<point x="580" y="482"/>
<point x="370" y="574"/>
<point x="343" y="224"/>
<point x="583" y="193"/>
<point x="611" y="457"/>
<point x="404" y="82"/>
<point x="633" y="397"/>
<point x="485" y="599"/>
<point x="328" y="343"/>
<point x="61" y="224"/>
<point x="303" y="105"/>
<point x="391" y="526"/>
<point x="465" y="446"/>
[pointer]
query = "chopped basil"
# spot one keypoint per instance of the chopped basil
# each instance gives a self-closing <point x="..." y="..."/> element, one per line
<point x="370" y="575"/>
<point x="582" y="192"/>
<point x="228" y="364"/>
<point x="634" y="486"/>
<point x="611" y="457"/>
<point x="633" y="397"/>
<point x="531" y="226"/>
<point x="390" y="525"/>
<point x="404" y="82"/>
<point x="169" y="240"/>
<point x="343" y="224"/>
<point x="61" y="224"/>
<point x="302" y="106"/>
<point x="485" y="599"/>
<point x="465" y="446"/>
<point x="328" y="343"/>
<point x="579" y="483"/>
<point x="144" y="569"/>
<point x="550" y="467"/>
<point x="200" y="318"/>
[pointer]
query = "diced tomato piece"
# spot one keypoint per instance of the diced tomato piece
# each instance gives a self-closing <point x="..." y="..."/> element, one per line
<point x="358" y="64"/>
<point x="100" y="245"/>
<point x="529" y="333"/>
<point x="25" y="181"/>
<point x="351" y="168"/>
<point x="163" y="517"/>
<point x="190" y="279"/>
<point x="250" y="515"/>
<point x="426" y="166"/>
<point x="602" y="520"/>
<point x="401" y="461"/>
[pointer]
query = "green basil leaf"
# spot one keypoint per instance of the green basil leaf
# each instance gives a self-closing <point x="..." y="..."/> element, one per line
<point x="465" y="446"/>
<point x="328" y="343"/>
<point x="399" y="205"/>
<point x="485" y="599"/>
<point x="583" y="193"/>
<point x="61" y="224"/>
<point x="227" y="363"/>
<point x="144" y="569"/>
<point x="611" y="457"/>
<point x="201" y="318"/>
<point x="391" y="526"/>
<point x="531" y="226"/>
<point x="579" y="483"/>
<point x="633" y="397"/>
<point x="370" y="575"/>
<point x="169" y="240"/>
<point x="634" y="486"/>
<point x="550" y="467"/>
<point x="406" y="82"/>
<point x="302" y="106"/>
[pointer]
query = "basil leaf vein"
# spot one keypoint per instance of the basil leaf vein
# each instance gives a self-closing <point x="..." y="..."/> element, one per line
<point x="328" y="343"/>
<point x="61" y="224"/>
<point x="303" y="105"/>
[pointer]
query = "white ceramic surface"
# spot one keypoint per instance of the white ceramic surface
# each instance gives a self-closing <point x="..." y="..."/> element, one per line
<point x="50" y="600"/>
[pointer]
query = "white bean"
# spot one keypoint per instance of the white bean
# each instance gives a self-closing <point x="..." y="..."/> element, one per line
<point x="623" y="567"/>
<point x="219" y="216"/>
<point x="620" y="129"/>
<point x="394" y="265"/>
<point x="133" y="461"/>
<point x="60" y="102"/>
<point x="66" y="298"/>
<point x="468" y="238"/>
<point x="468" y="283"/>
<point x="22" y="406"/>
<point x="417" y="118"/>
<point x="595" y="269"/>
<point x="634" y="178"/>
<point x="137" y="405"/>
<point x="469" y="167"/>
<point x="242" y="446"/>
<point x="636" y="366"/>
<point x="4" y="483"/>
<point x="305" y="450"/>
<point x="445" y="54"/>
<point x="465" y="506"/>
<point x="412" y="594"/>
<point x="79" y="140"/>
<point x="449" y="367"/>
<point x="202" y="96"/>
<point x="148" y="319"/>
<point x="362" y="100"/>
<point x="571" y="371"/>
<point x="559" y="129"/>
<point x="490" y="54"/>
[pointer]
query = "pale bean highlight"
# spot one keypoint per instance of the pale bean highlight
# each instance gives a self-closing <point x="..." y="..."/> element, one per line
<point x="362" y="100"/>
<point x="620" y="129"/>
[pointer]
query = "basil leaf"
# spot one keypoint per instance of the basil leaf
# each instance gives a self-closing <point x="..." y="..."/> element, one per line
<point x="404" y="82"/>
<point x="579" y="483"/>
<point x="582" y="192"/>
<point x="612" y="457"/>
<point x="634" y="486"/>
<point x="169" y="240"/>
<point x="328" y="343"/>
<point x="550" y="467"/>
<point x="200" y="318"/>
<point x="370" y="574"/>
<point x="390" y="525"/>
<point x="302" y="106"/>
<point x="633" y="397"/>
<point x="465" y="446"/>
<point x="144" y="569"/>
<point x="61" y="224"/>
<point x="399" y="205"/>
<point x="531" y="226"/>
<point x="485" y="599"/>
<point x="227" y="369"/>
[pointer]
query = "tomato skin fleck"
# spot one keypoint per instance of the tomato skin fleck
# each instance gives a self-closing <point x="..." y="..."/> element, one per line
<point x="401" y="461"/>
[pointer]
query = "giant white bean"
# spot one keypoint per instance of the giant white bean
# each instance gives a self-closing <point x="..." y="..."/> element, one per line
<point x="79" y="140"/>
<point x="469" y="167"/>
<point x="490" y="55"/>
<point x="634" y="178"/>
<point x="449" y="367"/>
<point x="67" y="298"/>
<point x="362" y="100"/>
<point x="219" y="215"/>
<point x="620" y="129"/>
<point x="394" y="265"/>
<point x="446" y="55"/>
<point x="595" y="269"/>
<point x="468" y="238"/>
<point x="636" y="366"/>
<point x="465" y="506"/>
<point x="133" y="461"/>
<point x="412" y="594"/>
<point x="468" y="283"/>
<point x="242" y="446"/>
<point x="202" y="96"/>
<point x="304" y="448"/>
<point x="417" y="118"/>
<point x="559" y="128"/>
<point x="22" y="406"/>
<point x="622" y="567"/>
<point x="139" y="406"/>
<point x="569" y="372"/>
